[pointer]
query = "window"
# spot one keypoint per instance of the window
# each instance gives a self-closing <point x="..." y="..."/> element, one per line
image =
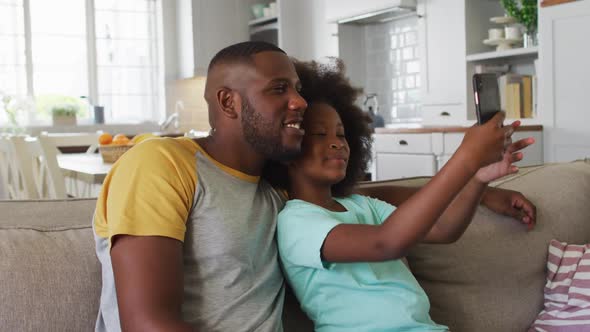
<point x="61" y="50"/>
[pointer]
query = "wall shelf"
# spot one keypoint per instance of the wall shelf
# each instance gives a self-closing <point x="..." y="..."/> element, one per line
<point x="512" y="53"/>
<point x="263" y="20"/>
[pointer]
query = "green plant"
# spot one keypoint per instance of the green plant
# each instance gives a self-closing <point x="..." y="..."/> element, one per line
<point x="65" y="110"/>
<point x="525" y="12"/>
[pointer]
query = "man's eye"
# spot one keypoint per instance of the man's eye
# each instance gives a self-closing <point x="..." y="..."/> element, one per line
<point x="280" y="88"/>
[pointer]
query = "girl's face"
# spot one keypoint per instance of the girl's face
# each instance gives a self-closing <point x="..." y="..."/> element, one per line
<point x="325" y="150"/>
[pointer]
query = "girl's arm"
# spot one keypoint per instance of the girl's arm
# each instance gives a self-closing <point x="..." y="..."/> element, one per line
<point x="413" y="220"/>
<point x="454" y="221"/>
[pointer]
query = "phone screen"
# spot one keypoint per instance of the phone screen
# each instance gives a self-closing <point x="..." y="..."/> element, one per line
<point x="487" y="96"/>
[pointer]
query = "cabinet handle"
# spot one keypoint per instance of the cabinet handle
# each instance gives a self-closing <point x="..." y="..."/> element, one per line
<point x="402" y="142"/>
<point x="445" y="114"/>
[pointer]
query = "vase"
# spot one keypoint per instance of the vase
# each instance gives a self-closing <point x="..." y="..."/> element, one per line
<point x="64" y="120"/>
<point x="529" y="39"/>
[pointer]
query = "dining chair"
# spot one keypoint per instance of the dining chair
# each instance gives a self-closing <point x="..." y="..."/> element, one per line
<point x="50" y="143"/>
<point x="12" y="181"/>
<point x="21" y="180"/>
<point x="61" y="140"/>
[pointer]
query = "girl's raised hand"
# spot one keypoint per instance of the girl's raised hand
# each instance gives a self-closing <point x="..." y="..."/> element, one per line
<point x="505" y="166"/>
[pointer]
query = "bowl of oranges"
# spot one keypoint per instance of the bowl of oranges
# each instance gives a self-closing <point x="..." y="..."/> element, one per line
<point x="112" y="147"/>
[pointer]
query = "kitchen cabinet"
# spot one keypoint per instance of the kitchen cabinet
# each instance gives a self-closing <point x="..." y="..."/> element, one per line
<point x="423" y="152"/>
<point x="441" y="30"/>
<point x="203" y="27"/>
<point x="564" y="80"/>
<point x="303" y="31"/>
<point x="404" y="155"/>
<point x="216" y="24"/>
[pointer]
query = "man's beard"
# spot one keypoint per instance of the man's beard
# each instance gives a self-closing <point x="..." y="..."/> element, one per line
<point x="261" y="135"/>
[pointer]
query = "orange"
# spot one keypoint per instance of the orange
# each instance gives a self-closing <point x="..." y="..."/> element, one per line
<point x="105" y="139"/>
<point x="120" y="139"/>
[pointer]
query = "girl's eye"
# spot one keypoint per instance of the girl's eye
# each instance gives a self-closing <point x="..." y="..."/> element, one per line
<point x="319" y="134"/>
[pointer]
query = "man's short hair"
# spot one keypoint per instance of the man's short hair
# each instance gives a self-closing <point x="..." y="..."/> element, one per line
<point x="242" y="52"/>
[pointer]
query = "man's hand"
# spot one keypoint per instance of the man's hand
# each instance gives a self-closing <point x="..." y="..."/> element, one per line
<point x="505" y="166"/>
<point x="511" y="203"/>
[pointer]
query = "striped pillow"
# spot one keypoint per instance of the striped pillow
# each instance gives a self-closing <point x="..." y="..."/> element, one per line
<point x="567" y="292"/>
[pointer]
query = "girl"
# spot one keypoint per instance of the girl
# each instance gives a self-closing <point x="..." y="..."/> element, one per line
<point x="341" y="251"/>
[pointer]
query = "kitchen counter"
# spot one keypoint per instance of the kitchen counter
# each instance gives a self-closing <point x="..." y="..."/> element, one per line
<point x="443" y="129"/>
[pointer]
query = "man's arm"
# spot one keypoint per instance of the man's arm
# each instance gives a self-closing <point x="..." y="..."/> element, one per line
<point x="149" y="283"/>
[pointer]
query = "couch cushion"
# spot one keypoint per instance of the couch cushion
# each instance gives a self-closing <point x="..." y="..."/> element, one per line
<point x="492" y="279"/>
<point x="49" y="271"/>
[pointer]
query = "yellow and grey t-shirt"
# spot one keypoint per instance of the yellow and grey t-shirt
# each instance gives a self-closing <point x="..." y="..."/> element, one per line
<point x="226" y="220"/>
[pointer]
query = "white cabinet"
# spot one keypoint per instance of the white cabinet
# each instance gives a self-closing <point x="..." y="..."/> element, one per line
<point x="441" y="29"/>
<point x="216" y="24"/>
<point x="404" y="155"/>
<point x="532" y="155"/>
<point x="397" y="166"/>
<point x="565" y="79"/>
<point x="203" y="27"/>
<point x="304" y="32"/>
<point x="401" y="155"/>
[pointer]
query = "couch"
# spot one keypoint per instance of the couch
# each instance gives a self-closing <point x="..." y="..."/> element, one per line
<point x="490" y="280"/>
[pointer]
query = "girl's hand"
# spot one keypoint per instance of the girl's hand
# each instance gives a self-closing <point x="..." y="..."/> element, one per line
<point x="486" y="144"/>
<point x="505" y="166"/>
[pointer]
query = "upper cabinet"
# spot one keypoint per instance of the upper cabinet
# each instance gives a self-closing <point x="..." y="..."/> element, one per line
<point x="442" y="59"/>
<point x="303" y="30"/>
<point x="203" y="27"/>
<point x="216" y="24"/>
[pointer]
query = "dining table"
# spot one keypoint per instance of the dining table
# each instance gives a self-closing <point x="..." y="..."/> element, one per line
<point x="84" y="173"/>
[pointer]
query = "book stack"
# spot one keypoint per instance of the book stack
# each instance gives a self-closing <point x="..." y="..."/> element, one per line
<point x="517" y="95"/>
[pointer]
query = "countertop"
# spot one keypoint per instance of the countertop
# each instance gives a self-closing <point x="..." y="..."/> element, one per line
<point x="443" y="129"/>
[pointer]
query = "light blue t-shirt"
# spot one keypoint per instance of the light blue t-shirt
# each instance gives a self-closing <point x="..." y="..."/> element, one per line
<point x="382" y="296"/>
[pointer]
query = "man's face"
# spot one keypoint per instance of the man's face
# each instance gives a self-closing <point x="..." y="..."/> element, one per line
<point x="272" y="109"/>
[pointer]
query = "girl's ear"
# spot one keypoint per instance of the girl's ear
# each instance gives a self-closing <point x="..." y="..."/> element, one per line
<point x="230" y="102"/>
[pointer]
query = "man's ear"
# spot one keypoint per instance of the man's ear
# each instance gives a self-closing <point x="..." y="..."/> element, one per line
<point x="230" y="102"/>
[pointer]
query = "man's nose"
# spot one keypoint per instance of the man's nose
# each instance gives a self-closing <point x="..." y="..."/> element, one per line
<point x="297" y="103"/>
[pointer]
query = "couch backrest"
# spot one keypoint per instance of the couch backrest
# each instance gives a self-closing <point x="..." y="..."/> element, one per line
<point x="50" y="274"/>
<point x="492" y="279"/>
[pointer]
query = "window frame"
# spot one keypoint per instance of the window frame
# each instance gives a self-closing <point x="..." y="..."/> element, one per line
<point x="157" y="98"/>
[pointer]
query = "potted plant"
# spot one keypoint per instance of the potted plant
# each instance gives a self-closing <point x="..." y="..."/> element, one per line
<point x="64" y="114"/>
<point x="525" y="12"/>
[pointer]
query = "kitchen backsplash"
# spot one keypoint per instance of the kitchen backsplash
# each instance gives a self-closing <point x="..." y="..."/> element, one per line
<point x="190" y="92"/>
<point x="393" y="68"/>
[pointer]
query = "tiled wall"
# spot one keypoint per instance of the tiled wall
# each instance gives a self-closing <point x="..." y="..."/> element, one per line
<point x="195" y="113"/>
<point x="393" y="68"/>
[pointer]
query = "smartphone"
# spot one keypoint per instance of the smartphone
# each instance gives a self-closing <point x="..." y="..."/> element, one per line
<point x="486" y="96"/>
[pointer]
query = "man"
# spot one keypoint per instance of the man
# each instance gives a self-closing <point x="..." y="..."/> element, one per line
<point x="185" y="229"/>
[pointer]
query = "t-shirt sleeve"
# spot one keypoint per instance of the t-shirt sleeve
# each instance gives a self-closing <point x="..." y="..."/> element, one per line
<point x="149" y="192"/>
<point x="301" y="232"/>
<point x="380" y="209"/>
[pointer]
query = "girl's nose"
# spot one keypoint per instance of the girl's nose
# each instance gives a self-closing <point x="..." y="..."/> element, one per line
<point x="336" y="146"/>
